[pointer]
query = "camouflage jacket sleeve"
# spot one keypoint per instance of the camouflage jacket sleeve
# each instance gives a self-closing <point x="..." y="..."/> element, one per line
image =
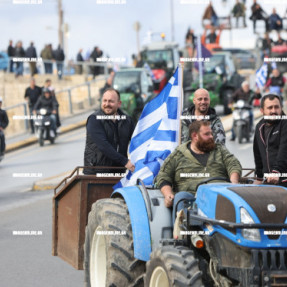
<point x="167" y="170"/>
<point x="184" y="131"/>
<point x="218" y="131"/>
<point x="231" y="163"/>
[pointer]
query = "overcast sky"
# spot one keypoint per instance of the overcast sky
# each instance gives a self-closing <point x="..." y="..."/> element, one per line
<point x="111" y="26"/>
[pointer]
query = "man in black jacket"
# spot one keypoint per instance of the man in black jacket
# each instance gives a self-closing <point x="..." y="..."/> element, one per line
<point x="4" y="121"/>
<point x="11" y="54"/>
<point x="48" y="102"/>
<point x="32" y="54"/>
<point x="59" y="56"/>
<point x="109" y="131"/>
<point x="19" y="53"/>
<point x="32" y="94"/>
<point x="258" y="14"/>
<point x="270" y="142"/>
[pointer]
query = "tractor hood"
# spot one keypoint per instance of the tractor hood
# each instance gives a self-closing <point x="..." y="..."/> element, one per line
<point x="250" y="204"/>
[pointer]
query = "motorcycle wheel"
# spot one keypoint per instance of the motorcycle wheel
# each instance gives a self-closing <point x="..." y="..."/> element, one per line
<point x="239" y="134"/>
<point x="41" y="138"/>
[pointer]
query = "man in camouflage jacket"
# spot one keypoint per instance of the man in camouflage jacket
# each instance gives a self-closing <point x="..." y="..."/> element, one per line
<point x="193" y="162"/>
<point x="201" y="110"/>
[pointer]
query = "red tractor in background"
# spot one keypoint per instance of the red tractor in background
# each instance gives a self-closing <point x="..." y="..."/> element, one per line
<point x="162" y="58"/>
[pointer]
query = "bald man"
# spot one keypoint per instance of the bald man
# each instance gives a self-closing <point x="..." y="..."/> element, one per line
<point x="201" y="110"/>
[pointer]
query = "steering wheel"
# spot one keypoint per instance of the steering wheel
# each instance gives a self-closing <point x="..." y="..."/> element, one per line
<point x="211" y="179"/>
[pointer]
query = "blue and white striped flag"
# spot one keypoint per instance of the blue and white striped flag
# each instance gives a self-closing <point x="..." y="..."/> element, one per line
<point x="261" y="76"/>
<point x="156" y="134"/>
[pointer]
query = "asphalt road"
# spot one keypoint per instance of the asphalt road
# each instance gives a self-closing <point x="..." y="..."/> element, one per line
<point x="20" y="169"/>
<point x="26" y="260"/>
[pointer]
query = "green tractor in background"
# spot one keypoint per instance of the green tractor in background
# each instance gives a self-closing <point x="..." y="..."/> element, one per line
<point x="136" y="89"/>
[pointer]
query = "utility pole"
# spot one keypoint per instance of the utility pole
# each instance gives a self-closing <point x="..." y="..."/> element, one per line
<point x="61" y="23"/>
<point x="172" y="20"/>
<point x="137" y="27"/>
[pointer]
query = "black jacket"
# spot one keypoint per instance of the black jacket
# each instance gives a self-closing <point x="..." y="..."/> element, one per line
<point x="33" y="95"/>
<point x="107" y="142"/>
<point x="31" y="52"/>
<point x="80" y="57"/>
<point x="59" y="55"/>
<point x="11" y="51"/>
<point x="271" y="156"/>
<point x="4" y="121"/>
<point x="43" y="103"/>
<point x="20" y="52"/>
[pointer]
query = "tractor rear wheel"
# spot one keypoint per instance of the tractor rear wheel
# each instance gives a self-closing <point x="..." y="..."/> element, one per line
<point x="109" y="256"/>
<point x="173" y="267"/>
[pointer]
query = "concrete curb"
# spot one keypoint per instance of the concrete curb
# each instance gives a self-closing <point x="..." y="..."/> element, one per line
<point x="50" y="182"/>
<point x="33" y="139"/>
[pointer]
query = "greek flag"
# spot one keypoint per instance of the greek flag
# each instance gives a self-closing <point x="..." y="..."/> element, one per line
<point x="261" y="76"/>
<point x="156" y="134"/>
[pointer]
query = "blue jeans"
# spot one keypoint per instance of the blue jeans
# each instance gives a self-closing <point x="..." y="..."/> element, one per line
<point x="53" y="122"/>
<point x="19" y="68"/>
<point x="11" y="66"/>
<point x="60" y="70"/>
<point x="181" y="205"/>
<point x="2" y="142"/>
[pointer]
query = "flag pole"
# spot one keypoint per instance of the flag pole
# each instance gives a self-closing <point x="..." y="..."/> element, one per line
<point x="199" y="55"/>
<point x="180" y="76"/>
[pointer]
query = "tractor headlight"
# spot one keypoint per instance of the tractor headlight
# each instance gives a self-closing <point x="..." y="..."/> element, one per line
<point x="250" y="234"/>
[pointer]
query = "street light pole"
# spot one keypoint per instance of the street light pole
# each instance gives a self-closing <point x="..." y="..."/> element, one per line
<point x="137" y="27"/>
<point x="172" y="20"/>
<point x="61" y="24"/>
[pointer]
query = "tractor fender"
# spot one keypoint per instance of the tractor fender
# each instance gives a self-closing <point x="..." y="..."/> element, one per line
<point x="139" y="220"/>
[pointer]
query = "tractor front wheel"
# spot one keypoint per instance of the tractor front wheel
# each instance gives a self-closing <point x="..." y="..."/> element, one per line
<point x="171" y="266"/>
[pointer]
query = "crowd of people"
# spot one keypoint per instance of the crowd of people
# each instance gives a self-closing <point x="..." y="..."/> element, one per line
<point x="272" y="21"/>
<point x="49" y="57"/>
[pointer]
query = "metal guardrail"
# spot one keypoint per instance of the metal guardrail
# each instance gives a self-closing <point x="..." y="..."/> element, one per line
<point x="25" y="108"/>
<point x="68" y="92"/>
<point x="72" y="68"/>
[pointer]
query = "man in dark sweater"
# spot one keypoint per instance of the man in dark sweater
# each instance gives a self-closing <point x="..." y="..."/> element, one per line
<point x="270" y="142"/>
<point x="32" y="94"/>
<point x="32" y="53"/>
<point x="11" y="54"/>
<point x="109" y="132"/>
<point x="4" y="121"/>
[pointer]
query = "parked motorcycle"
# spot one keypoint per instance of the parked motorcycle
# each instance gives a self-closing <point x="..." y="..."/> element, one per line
<point x="241" y="120"/>
<point x="43" y="127"/>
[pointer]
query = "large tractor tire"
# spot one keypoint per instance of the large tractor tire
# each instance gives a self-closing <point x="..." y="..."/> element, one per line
<point x="173" y="267"/>
<point x="109" y="257"/>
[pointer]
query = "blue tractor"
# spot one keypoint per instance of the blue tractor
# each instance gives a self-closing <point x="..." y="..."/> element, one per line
<point x="230" y="235"/>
